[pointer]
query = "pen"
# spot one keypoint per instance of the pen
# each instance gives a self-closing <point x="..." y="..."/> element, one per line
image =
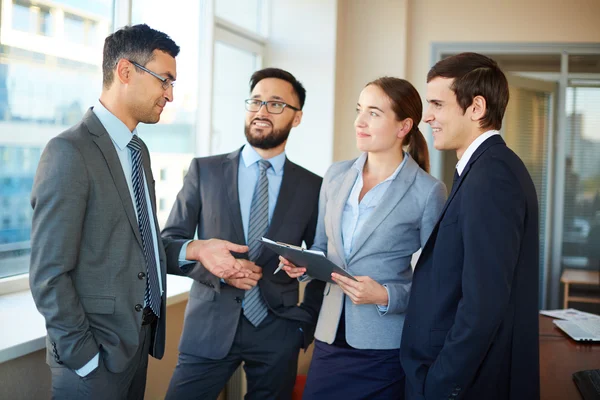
<point x="278" y="268"/>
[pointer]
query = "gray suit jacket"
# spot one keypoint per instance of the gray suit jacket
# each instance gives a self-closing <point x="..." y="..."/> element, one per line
<point x="208" y="204"/>
<point x="87" y="272"/>
<point x="399" y="226"/>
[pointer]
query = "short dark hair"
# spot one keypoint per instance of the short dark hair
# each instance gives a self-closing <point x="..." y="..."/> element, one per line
<point x="136" y="43"/>
<point x="476" y="75"/>
<point x="279" y="74"/>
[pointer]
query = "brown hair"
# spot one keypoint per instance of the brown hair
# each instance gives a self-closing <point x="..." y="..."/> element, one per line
<point x="406" y="103"/>
<point x="476" y="75"/>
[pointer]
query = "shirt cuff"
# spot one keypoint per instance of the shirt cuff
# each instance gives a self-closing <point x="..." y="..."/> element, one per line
<point x="383" y="309"/>
<point x="89" y="367"/>
<point x="182" y="261"/>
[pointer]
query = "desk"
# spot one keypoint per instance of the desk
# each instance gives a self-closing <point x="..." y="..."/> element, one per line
<point x="583" y="278"/>
<point x="560" y="357"/>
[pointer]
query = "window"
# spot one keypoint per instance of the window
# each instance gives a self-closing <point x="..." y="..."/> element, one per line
<point x="41" y="95"/>
<point x="247" y="14"/>
<point x="232" y="70"/>
<point x="50" y="57"/>
<point x="74" y="29"/>
<point x="581" y="222"/>
<point x="172" y="141"/>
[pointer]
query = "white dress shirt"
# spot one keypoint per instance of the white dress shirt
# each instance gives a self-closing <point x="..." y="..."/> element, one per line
<point x="464" y="160"/>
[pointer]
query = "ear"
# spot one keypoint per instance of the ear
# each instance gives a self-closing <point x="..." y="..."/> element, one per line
<point x="124" y="71"/>
<point x="478" y="108"/>
<point x="297" y="119"/>
<point x="404" y="127"/>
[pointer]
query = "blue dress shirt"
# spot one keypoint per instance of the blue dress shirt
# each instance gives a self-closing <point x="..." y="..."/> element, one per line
<point x="356" y="213"/>
<point x="248" y="175"/>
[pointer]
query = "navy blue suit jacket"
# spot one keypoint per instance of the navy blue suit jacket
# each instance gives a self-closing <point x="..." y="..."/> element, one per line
<point x="471" y="330"/>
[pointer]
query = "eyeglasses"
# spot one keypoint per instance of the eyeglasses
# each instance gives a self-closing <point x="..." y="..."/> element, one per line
<point x="273" y="107"/>
<point x="166" y="82"/>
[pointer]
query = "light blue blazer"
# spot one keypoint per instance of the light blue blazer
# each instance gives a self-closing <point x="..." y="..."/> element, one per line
<point x="397" y="228"/>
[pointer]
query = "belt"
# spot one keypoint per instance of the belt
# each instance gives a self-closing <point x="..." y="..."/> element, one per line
<point x="148" y="317"/>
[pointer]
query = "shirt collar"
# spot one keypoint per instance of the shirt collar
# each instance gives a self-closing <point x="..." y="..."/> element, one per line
<point x="464" y="160"/>
<point x="117" y="130"/>
<point x="359" y="165"/>
<point x="250" y="156"/>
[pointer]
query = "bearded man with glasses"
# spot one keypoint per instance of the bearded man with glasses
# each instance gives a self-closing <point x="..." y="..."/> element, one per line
<point x="252" y="192"/>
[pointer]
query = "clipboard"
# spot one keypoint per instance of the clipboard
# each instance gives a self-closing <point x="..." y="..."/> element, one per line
<point x="316" y="264"/>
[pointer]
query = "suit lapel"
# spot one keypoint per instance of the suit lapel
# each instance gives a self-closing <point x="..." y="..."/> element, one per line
<point x="105" y="144"/>
<point x="494" y="140"/>
<point x="285" y="199"/>
<point x="346" y="183"/>
<point x="230" y="166"/>
<point x="285" y="204"/>
<point x="393" y="195"/>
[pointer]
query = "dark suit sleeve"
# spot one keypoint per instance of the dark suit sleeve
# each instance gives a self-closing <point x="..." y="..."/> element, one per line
<point x="181" y="226"/>
<point x="492" y="223"/>
<point x="399" y="289"/>
<point x="59" y="200"/>
<point x="313" y="293"/>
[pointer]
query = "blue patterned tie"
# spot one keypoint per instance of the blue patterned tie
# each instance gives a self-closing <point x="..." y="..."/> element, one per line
<point x="255" y="308"/>
<point x="152" y="296"/>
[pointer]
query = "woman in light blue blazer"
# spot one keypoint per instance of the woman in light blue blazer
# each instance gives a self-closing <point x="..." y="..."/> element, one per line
<point x="375" y="212"/>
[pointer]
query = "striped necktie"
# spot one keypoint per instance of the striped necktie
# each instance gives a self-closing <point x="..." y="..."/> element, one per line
<point x="152" y="295"/>
<point x="255" y="308"/>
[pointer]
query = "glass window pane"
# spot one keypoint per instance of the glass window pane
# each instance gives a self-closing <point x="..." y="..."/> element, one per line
<point x="581" y="231"/>
<point x="232" y="70"/>
<point x="526" y="129"/>
<point x="245" y="13"/>
<point x="172" y="141"/>
<point x="40" y="96"/>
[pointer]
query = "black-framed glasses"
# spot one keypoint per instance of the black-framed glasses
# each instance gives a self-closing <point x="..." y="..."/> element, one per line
<point x="273" y="107"/>
<point x="166" y="82"/>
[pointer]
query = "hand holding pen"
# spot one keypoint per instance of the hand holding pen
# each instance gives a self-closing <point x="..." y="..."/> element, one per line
<point x="289" y="268"/>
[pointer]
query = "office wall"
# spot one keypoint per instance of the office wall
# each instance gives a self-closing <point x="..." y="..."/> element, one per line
<point x="25" y="378"/>
<point x="302" y="39"/>
<point x="545" y="21"/>
<point x="371" y="42"/>
<point x="371" y="37"/>
<point x="28" y="377"/>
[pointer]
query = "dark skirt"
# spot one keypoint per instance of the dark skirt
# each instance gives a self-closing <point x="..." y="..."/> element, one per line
<point x="339" y="371"/>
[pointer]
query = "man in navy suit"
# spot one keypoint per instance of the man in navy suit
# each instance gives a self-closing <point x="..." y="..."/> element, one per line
<point x="471" y="330"/>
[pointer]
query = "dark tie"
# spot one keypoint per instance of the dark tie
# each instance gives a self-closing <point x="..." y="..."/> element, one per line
<point x="255" y="308"/>
<point x="454" y="181"/>
<point x="152" y="296"/>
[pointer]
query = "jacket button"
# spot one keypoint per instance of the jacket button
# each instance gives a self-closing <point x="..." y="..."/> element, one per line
<point x="138" y="307"/>
<point x="141" y="275"/>
<point x="238" y="299"/>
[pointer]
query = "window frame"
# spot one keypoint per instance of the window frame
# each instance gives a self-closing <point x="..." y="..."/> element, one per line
<point x="213" y="29"/>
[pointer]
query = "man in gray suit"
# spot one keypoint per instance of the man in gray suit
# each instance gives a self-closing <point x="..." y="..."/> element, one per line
<point x="254" y="191"/>
<point x="98" y="273"/>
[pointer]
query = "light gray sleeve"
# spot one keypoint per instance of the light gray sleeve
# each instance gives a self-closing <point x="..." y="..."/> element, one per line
<point x="433" y="208"/>
<point x="59" y="200"/>
<point x="399" y="293"/>
<point x="320" y="242"/>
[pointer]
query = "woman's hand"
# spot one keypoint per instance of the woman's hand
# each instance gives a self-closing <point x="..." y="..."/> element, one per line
<point x="365" y="291"/>
<point x="291" y="269"/>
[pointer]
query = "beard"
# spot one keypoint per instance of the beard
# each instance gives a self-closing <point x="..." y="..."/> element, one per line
<point x="270" y="141"/>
